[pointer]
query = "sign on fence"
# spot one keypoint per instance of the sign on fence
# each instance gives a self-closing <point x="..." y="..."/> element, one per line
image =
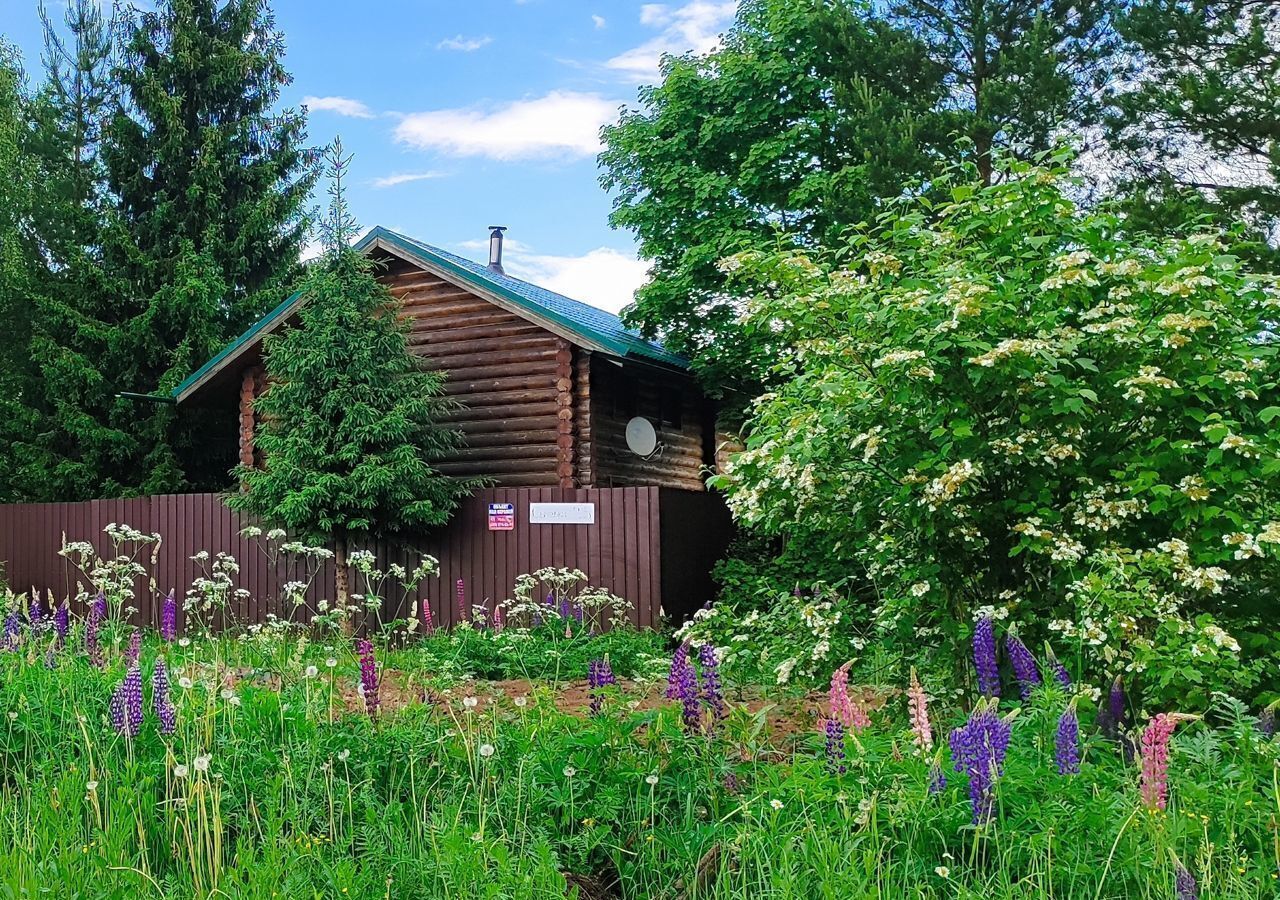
<point x="562" y="514"/>
<point x="502" y="517"/>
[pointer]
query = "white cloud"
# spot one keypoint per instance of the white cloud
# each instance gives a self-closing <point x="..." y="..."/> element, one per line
<point x="695" y="26"/>
<point x="603" y="277"/>
<point x="343" y="106"/>
<point x="562" y="123"/>
<point x="404" y="178"/>
<point x="598" y="21"/>
<point x="464" y="44"/>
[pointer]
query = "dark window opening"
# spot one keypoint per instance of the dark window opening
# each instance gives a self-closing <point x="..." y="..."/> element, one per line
<point x="671" y="407"/>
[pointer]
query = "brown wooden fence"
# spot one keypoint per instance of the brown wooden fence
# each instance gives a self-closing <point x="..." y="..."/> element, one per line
<point x="622" y="551"/>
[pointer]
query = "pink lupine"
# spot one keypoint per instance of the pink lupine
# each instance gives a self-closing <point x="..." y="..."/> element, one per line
<point x="1155" y="759"/>
<point x="499" y="618"/>
<point x="844" y="709"/>
<point x="428" y="623"/>
<point x="918" y="705"/>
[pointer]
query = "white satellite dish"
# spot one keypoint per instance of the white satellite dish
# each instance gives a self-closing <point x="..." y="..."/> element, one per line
<point x="642" y="440"/>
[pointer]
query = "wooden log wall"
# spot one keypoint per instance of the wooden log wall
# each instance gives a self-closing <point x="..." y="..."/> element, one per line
<point x="506" y="371"/>
<point x="622" y="551"/>
<point x="618" y="394"/>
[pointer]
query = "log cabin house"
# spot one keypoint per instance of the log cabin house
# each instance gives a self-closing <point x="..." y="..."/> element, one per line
<point x="547" y="384"/>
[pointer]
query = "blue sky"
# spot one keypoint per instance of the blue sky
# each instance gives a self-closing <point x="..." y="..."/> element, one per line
<point x="468" y="114"/>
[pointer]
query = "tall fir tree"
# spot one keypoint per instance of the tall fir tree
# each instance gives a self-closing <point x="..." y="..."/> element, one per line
<point x="75" y="440"/>
<point x="17" y="199"/>
<point x="211" y="184"/>
<point x="349" y="423"/>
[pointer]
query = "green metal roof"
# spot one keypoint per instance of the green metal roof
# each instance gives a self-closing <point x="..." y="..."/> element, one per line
<point x="591" y="326"/>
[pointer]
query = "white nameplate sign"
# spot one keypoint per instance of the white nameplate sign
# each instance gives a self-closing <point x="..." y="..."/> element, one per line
<point x="562" y="514"/>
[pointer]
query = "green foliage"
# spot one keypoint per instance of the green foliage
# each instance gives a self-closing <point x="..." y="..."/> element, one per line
<point x="269" y="787"/>
<point x="542" y="652"/>
<point x="349" y="420"/>
<point x="349" y="423"/>
<point x="806" y="117"/>
<point x="1001" y="405"/>
<point x="1198" y="129"/>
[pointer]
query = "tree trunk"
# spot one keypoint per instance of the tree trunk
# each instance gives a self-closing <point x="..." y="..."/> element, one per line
<point x="342" y="584"/>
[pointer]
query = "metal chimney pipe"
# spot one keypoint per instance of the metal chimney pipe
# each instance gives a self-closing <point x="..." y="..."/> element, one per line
<point x="495" y="248"/>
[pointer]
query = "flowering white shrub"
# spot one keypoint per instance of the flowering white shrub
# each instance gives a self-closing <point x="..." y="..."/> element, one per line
<point x="1000" y="400"/>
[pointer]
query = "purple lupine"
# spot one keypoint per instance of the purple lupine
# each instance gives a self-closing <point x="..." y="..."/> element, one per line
<point x="1111" y="719"/>
<point x="578" y="613"/>
<point x="1067" y="743"/>
<point x="978" y="748"/>
<point x="61" y="625"/>
<point x="1060" y="674"/>
<point x="937" y="779"/>
<point x="1267" y="722"/>
<point x="12" y="630"/>
<point x="36" y="613"/>
<point x="126" y="704"/>
<point x="100" y="605"/>
<point x="712" y="690"/>
<point x="679" y="660"/>
<point x="169" y="618"/>
<point x="984" y="658"/>
<point x="368" y="676"/>
<point x="1184" y="884"/>
<point x="835" y="747"/>
<point x="599" y="676"/>
<point x="160" y="701"/>
<point x="134" y="652"/>
<point x="1024" y="665"/>
<point x="566" y="609"/>
<point x="731" y="783"/>
<point x="91" y="627"/>
<point x="682" y="685"/>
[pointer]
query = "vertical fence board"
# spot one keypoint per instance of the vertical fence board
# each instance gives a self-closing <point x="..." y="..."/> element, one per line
<point x="622" y="552"/>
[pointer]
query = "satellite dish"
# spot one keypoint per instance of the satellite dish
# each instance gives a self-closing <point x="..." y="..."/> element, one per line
<point x="642" y="440"/>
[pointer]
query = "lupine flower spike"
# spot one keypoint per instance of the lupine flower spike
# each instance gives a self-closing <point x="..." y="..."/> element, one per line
<point x="91" y="634"/>
<point x="1056" y="668"/>
<point x="984" y="658"/>
<point x="679" y="660"/>
<point x="1024" y="665"/>
<point x="160" y="701"/>
<point x="368" y="676"/>
<point x="835" y="747"/>
<point x="61" y="625"/>
<point x="169" y="618"/>
<point x="499" y="617"/>
<point x="12" y="629"/>
<point x="1267" y="721"/>
<point x="461" y="590"/>
<point x="937" y="779"/>
<point x="712" y="691"/>
<point x="126" y="704"/>
<point x="1154" y="780"/>
<point x="36" y="612"/>
<point x="1184" y="883"/>
<point x="978" y="750"/>
<point x="1067" y="742"/>
<point x="844" y="708"/>
<point x="918" y="705"/>
<point x="135" y="647"/>
<point x="682" y="685"/>
<point x="428" y="623"/>
<point x="599" y="676"/>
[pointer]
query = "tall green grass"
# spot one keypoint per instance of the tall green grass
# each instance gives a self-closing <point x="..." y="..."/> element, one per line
<point x="436" y="800"/>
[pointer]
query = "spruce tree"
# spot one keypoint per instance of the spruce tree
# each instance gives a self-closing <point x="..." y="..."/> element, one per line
<point x="211" y="184"/>
<point x="16" y="258"/>
<point x="349" y="423"/>
<point x="76" y="434"/>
